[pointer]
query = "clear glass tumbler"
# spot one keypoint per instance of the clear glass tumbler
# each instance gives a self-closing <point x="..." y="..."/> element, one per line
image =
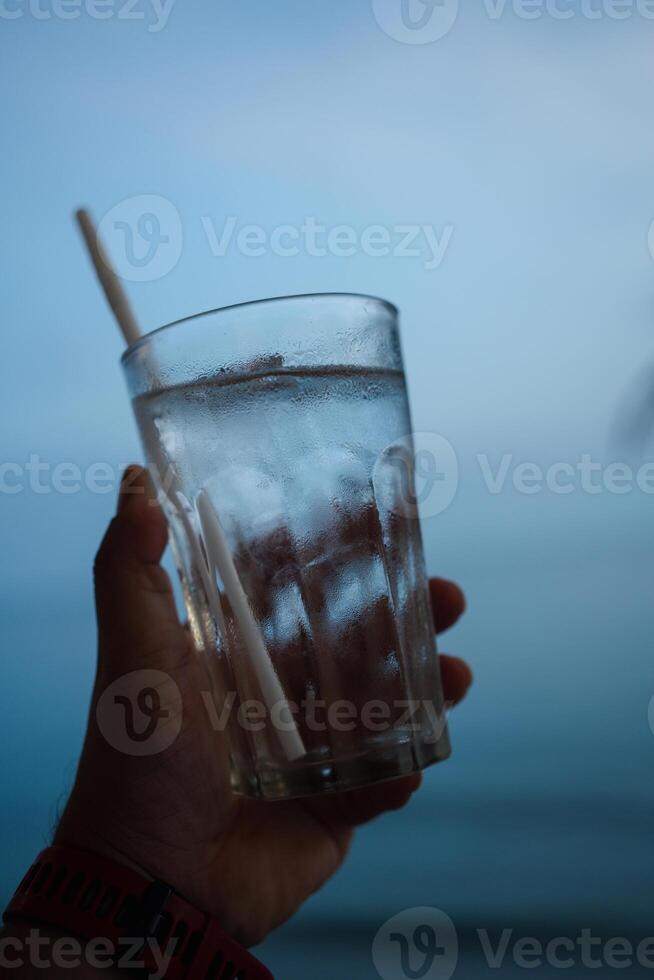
<point x="278" y="436"/>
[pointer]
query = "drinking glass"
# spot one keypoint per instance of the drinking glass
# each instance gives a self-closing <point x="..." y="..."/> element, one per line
<point x="278" y="437"/>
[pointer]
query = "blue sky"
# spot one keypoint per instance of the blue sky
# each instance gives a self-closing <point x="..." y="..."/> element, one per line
<point x="528" y="139"/>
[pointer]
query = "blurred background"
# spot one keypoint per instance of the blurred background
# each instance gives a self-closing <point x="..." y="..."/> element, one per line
<point x="521" y="139"/>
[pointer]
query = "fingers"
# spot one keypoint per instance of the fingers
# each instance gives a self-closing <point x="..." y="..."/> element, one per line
<point x="457" y="678"/>
<point x="355" y="807"/>
<point x="137" y="618"/>
<point x="365" y="805"/>
<point x="137" y="508"/>
<point x="360" y="806"/>
<point x="448" y="603"/>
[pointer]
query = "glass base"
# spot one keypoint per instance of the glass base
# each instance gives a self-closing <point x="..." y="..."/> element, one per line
<point x="335" y="776"/>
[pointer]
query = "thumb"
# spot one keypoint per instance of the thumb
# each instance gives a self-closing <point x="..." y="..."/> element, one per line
<point x="138" y="624"/>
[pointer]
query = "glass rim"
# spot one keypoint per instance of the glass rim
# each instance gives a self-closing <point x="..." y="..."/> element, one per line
<point x="268" y="301"/>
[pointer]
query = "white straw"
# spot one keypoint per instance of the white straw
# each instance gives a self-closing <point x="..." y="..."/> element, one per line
<point x="109" y="281"/>
<point x="218" y="553"/>
<point x="271" y="687"/>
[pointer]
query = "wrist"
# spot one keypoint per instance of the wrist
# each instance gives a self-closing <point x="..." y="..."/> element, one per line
<point x="116" y="910"/>
<point x="87" y="824"/>
<point x="101" y="841"/>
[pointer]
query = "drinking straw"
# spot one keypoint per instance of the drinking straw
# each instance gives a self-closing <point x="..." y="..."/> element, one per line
<point x="116" y="296"/>
<point x="271" y="687"/>
<point x="217" y="547"/>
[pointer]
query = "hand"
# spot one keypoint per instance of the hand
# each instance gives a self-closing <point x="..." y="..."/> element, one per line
<point x="249" y="863"/>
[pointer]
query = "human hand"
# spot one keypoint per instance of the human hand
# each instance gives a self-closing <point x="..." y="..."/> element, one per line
<point x="249" y="863"/>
